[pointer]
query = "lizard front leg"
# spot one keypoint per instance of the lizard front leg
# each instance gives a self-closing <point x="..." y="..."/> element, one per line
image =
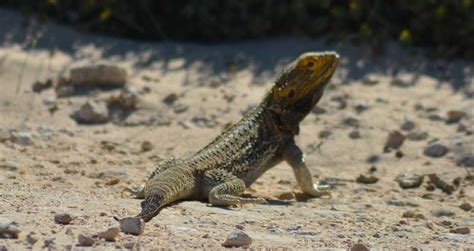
<point x="295" y="158"/>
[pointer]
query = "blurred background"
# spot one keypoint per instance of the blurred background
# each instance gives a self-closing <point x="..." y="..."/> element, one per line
<point x="445" y="28"/>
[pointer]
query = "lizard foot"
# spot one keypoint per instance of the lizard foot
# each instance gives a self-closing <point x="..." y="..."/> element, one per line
<point x="320" y="190"/>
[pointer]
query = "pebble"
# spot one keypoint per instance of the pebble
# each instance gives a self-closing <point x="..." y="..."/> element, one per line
<point x="146" y="146"/>
<point x="63" y="218"/>
<point x="180" y="108"/>
<point x="370" y="80"/>
<point x="417" y="135"/>
<point x="442" y="212"/>
<point x="372" y="159"/>
<point x="31" y="239"/>
<point x="435" y="117"/>
<point x="105" y="75"/>
<point x="92" y="112"/>
<point x="132" y="225"/>
<point x="355" y="134"/>
<point x="85" y="240"/>
<point x="109" y="234"/>
<point x="361" y="105"/>
<point x="170" y="99"/>
<point x="64" y="89"/>
<point x="454" y="116"/>
<point x="409" y="180"/>
<point x="460" y="230"/>
<point x="237" y="238"/>
<point x="466" y="206"/>
<point x="126" y="100"/>
<point x="351" y="121"/>
<point x="394" y="140"/>
<point x="202" y="121"/>
<point x="22" y="138"/>
<point x="286" y="196"/>
<point x="324" y="133"/>
<point x="366" y="179"/>
<point x="435" y="150"/>
<point x="466" y="161"/>
<point x="9" y="229"/>
<point x="359" y="247"/>
<point x="408" y="125"/>
<point x="401" y="83"/>
<point x="319" y="110"/>
<point x="39" y="86"/>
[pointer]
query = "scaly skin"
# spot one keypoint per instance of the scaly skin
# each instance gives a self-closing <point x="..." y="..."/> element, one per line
<point x="263" y="138"/>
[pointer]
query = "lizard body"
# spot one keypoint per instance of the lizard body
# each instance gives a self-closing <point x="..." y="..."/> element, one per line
<point x="261" y="139"/>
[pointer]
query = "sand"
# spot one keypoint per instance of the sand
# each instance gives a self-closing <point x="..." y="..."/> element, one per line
<point x="54" y="165"/>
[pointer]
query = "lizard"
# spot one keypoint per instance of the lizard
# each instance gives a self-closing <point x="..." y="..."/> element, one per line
<point x="264" y="137"/>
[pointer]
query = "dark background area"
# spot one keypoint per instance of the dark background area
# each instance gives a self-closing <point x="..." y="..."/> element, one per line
<point x="446" y="28"/>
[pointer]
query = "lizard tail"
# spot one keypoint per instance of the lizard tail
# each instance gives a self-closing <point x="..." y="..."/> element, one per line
<point x="167" y="187"/>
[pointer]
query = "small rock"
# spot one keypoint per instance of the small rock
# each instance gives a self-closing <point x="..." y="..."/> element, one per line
<point x="286" y="196"/>
<point x="85" y="240"/>
<point x="366" y="179"/>
<point x="394" y="140"/>
<point x="39" y="86"/>
<point x="318" y="110"/>
<point x="355" y="134"/>
<point x="466" y="206"/>
<point x="454" y="116"/>
<point x="64" y="90"/>
<point x="237" y="238"/>
<point x="92" y="112"/>
<point x="370" y="80"/>
<point x="341" y="100"/>
<point x="409" y="180"/>
<point x="372" y="159"/>
<point x="466" y="161"/>
<point x="442" y="212"/>
<point x="132" y="225"/>
<point x="109" y="234"/>
<point x="435" y="150"/>
<point x="146" y="146"/>
<point x="401" y="83"/>
<point x="417" y="135"/>
<point x="351" y="121"/>
<point x="180" y="108"/>
<point x="441" y="184"/>
<point x="411" y="214"/>
<point x="324" y="133"/>
<point x="22" y="138"/>
<point x="202" y="121"/>
<point x="112" y="182"/>
<point x="361" y="106"/>
<point x="31" y="239"/>
<point x="408" y="125"/>
<point x="359" y="247"/>
<point x="460" y="230"/>
<point x="9" y="229"/>
<point x="399" y="154"/>
<point x="105" y="75"/>
<point x="63" y="218"/>
<point x="126" y="100"/>
<point x="170" y="99"/>
<point x="435" y="117"/>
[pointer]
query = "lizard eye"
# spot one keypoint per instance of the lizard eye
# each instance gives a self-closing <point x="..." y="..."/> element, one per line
<point x="291" y="93"/>
<point x="310" y="65"/>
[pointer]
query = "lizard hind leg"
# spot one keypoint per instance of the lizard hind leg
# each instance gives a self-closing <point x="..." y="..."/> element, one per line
<point x="225" y="190"/>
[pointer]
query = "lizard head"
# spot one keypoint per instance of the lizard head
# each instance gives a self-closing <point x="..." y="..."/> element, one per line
<point x="301" y="84"/>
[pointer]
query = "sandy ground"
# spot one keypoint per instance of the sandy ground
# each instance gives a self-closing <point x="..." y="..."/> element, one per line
<point x="82" y="170"/>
